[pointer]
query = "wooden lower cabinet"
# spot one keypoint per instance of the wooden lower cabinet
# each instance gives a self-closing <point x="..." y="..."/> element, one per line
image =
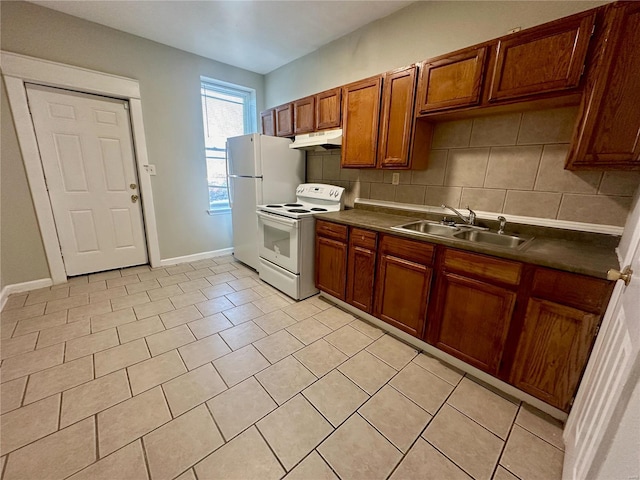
<point x="361" y="269"/>
<point x="403" y="283"/>
<point x="471" y="320"/>
<point x="553" y="350"/>
<point x="331" y="266"/>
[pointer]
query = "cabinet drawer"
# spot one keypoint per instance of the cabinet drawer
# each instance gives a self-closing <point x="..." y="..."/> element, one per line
<point x="331" y="230"/>
<point x="482" y="266"/>
<point x="578" y="291"/>
<point x="363" y="238"/>
<point x="419" y="252"/>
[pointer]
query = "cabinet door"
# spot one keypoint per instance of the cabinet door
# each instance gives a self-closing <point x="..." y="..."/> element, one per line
<point x="472" y="320"/>
<point x="452" y="81"/>
<point x="398" y="96"/>
<point x="361" y="269"/>
<point x="331" y="266"/>
<point x="608" y="133"/>
<point x="268" y="121"/>
<point x="360" y="117"/>
<point x="284" y="120"/>
<point x="402" y="293"/>
<point x="553" y="351"/>
<point x="304" y="113"/>
<point x="542" y="59"/>
<point x="328" y="107"/>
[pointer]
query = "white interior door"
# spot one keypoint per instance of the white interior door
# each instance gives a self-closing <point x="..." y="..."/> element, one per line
<point x="610" y="378"/>
<point x="87" y="155"/>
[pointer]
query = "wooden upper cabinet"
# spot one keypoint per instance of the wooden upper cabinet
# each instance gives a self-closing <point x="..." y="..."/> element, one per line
<point x="328" y="109"/>
<point x="268" y="122"/>
<point x="284" y="120"/>
<point x="607" y="135"/>
<point x="542" y="59"/>
<point x="360" y="118"/>
<point x="452" y="81"/>
<point x="304" y="115"/>
<point x="396" y="120"/>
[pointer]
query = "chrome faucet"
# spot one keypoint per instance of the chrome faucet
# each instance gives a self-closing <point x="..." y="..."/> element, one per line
<point x="503" y="223"/>
<point x="471" y="220"/>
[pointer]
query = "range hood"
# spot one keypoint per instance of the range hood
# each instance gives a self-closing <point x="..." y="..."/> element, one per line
<point x="324" y="140"/>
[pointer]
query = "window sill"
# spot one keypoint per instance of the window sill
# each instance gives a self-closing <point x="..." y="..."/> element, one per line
<point x="221" y="211"/>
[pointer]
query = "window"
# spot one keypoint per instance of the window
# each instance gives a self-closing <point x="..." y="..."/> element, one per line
<point x="227" y="111"/>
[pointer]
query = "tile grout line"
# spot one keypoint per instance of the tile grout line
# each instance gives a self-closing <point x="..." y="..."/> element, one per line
<point x="504" y="446"/>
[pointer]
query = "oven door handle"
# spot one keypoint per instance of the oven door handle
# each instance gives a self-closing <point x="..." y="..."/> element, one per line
<point x="272" y="217"/>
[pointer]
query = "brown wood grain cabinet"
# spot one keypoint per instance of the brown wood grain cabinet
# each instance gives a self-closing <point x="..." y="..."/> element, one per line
<point x="452" y="81"/>
<point x="403" y="283"/>
<point x="542" y="59"/>
<point x="284" y="120"/>
<point x="268" y="122"/>
<point x="361" y="268"/>
<point x="607" y="135"/>
<point x="304" y="115"/>
<point x="360" y="120"/>
<point x="331" y="258"/>
<point x="397" y="118"/>
<point x="328" y="109"/>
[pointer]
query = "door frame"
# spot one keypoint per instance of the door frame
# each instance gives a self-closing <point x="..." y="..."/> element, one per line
<point x="20" y="69"/>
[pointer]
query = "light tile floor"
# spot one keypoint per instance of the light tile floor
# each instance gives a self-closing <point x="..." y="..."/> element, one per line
<point x="200" y="370"/>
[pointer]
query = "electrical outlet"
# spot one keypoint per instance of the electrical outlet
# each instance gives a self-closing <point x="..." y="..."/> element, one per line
<point x="514" y="30"/>
<point x="151" y="169"/>
<point x="395" y="178"/>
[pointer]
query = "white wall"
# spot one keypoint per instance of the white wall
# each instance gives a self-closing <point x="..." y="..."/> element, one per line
<point x="170" y="92"/>
<point x="420" y="31"/>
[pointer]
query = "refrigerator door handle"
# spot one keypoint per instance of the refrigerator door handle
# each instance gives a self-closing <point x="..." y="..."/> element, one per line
<point x="244" y="176"/>
<point x="229" y="182"/>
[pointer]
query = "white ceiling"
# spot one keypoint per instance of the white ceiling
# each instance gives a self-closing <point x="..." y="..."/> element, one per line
<point x="256" y="35"/>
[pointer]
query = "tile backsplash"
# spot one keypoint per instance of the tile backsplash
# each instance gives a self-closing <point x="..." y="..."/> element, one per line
<point x="511" y="163"/>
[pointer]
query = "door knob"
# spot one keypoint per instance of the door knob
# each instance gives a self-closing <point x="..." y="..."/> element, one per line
<point x="133" y="186"/>
<point x="624" y="275"/>
<point x="134" y="198"/>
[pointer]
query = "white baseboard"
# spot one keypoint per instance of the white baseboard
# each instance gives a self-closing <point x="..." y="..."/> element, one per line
<point x="22" y="287"/>
<point x="196" y="256"/>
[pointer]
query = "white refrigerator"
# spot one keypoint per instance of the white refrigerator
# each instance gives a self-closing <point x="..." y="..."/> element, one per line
<point x="262" y="169"/>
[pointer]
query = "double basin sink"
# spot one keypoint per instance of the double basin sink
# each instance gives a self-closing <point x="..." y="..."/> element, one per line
<point x="463" y="232"/>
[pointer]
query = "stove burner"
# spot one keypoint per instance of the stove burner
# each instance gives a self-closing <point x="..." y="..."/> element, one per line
<point x="298" y="210"/>
<point x="274" y="206"/>
<point x="293" y="205"/>
<point x="318" y="209"/>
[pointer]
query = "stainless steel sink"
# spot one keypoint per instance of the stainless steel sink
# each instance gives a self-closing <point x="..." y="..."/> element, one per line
<point x="491" y="238"/>
<point x="428" y="228"/>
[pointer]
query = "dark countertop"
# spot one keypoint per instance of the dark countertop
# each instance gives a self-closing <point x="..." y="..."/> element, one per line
<point x="578" y="252"/>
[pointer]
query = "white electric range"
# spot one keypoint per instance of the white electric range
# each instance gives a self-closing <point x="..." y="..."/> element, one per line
<point x="286" y="243"/>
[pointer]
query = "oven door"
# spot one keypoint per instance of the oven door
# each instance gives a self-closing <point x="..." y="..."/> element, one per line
<point x="278" y="240"/>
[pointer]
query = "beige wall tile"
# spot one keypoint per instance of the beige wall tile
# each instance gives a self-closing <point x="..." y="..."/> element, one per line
<point x="314" y="165"/>
<point x="371" y="175"/>
<point x="75" y="444"/>
<point x="513" y="167"/>
<point x="619" y="183"/>
<point x="466" y="167"/>
<point x="455" y="134"/>
<point x="547" y="126"/>
<point x="31" y="362"/>
<point x="383" y="191"/>
<point x="193" y="388"/>
<point x="131" y="419"/>
<point x="181" y="443"/>
<point x="120" y="357"/>
<point x="157" y="370"/>
<point x="128" y="462"/>
<point x="410" y="194"/>
<point x="443" y="195"/>
<point x="532" y="204"/>
<point x="600" y="209"/>
<point x="552" y="176"/>
<point x="93" y="397"/>
<point x="495" y="130"/>
<point x="82" y="346"/>
<point x="404" y="176"/>
<point x="203" y="351"/>
<point x="59" y="378"/>
<point x="169" y="339"/>
<point x="350" y="174"/>
<point x="330" y="167"/>
<point x="434" y="173"/>
<point x="27" y="424"/>
<point x="484" y="199"/>
<point x="11" y="394"/>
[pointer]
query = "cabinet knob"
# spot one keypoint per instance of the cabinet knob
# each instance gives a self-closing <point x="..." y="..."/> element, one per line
<point x="624" y="275"/>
